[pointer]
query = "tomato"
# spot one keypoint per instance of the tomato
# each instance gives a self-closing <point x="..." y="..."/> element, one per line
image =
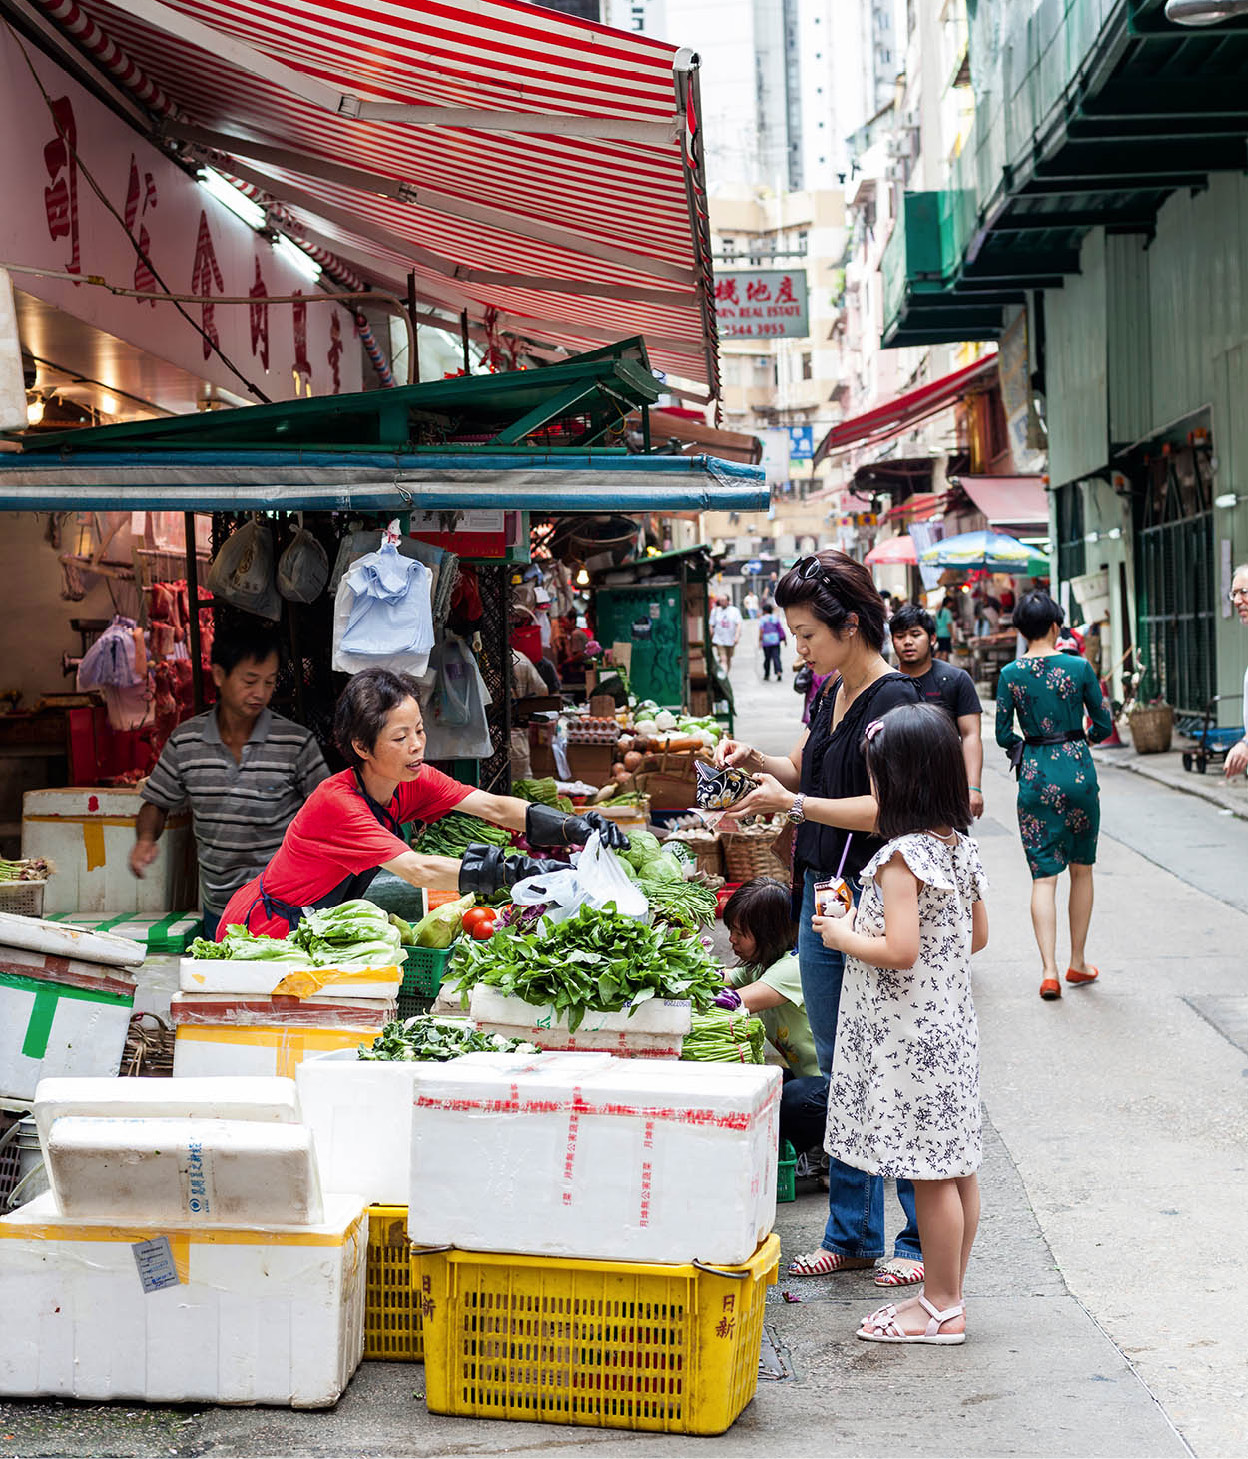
<point x="475" y="916"/>
<point x="482" y="930"/>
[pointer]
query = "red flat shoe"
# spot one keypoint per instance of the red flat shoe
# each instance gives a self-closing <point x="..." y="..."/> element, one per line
<point x="1050" y="989"/>
<point x="1090" y="976"/>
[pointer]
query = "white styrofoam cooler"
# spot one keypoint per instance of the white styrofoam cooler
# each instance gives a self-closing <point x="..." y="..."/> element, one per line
<point x="59" y="1016"/>
<point x="203" y="1172"/>
<point x="88" y="833"/>
<point x="243" y="977"/>
<point x="360" y="1111"/>
<point x="61" y="939"/>
<point x="656" y="1030"/>
<point x="585" y="1155"/>
<point x="273" y="1101"/>
<point x="176" y="1314"/>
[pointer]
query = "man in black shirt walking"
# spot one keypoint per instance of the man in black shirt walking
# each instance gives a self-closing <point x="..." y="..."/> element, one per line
<point x="914" y="639"/>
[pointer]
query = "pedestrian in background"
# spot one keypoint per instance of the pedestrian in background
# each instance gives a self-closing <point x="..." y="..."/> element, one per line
<point x="750" y="604"/>
<point x="944" y="629"/>
<point x="1237" y="755"/>
<point x="725" y="630"/>
<point x="904" y="1098"/>
<point x="1059" y="809"/>
<point x="914" y="639"/>
<point x="771" y="635"/>
<point x="837" y="621"/>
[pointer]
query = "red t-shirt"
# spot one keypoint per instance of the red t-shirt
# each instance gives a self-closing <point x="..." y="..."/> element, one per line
<point x="335" y="835"/>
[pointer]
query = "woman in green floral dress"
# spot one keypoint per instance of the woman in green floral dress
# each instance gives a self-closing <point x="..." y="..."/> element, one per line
<point x="1059" y="810"/>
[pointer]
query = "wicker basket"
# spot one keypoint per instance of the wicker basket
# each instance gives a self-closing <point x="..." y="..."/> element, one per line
<point x="22" y="898"/>
<point x="751" y="853"/>
<point x="149" y="1047"/>
<point x="1152" y="726"/>
<point x="706" y="849"/>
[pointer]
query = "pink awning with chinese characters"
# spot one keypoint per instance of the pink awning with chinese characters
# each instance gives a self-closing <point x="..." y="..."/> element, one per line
<point x="543" y="172"/>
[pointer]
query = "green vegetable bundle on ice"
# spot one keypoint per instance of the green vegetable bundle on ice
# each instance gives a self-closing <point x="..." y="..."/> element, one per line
<point x="596" y="959"/>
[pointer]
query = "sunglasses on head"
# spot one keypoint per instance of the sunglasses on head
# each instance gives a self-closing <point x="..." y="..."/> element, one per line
<point x="808" y="568"/>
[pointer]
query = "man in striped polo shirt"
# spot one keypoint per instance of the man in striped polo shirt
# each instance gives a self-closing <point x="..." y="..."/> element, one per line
<point x="243" y="770"/>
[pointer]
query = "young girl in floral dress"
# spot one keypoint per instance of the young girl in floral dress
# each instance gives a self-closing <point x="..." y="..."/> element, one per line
<point x="904" y="1096"/>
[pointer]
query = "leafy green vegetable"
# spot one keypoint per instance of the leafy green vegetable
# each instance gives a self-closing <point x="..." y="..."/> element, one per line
<point x="596" y="959"/>
<point x="357" y="933"/>
<point x="204" y="947"/>
<point x="643" y="846"/>
<point x="426" y="1038"/>
<point x="661" y="869"/>
<point x="453" y="833"/>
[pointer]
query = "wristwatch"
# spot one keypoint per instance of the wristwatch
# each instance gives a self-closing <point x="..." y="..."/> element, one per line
<point x="796" y="812"/>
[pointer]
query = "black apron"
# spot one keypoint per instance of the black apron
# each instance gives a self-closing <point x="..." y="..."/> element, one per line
<point x="347" y="890"/>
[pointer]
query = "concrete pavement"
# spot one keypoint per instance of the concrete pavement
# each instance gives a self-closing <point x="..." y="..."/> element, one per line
<point x="1103" y="1292"/>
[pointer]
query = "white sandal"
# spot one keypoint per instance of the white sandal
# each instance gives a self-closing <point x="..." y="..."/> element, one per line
<point x="882" y="1326"/>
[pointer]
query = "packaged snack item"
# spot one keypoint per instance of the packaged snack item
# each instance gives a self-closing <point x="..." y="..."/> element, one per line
<point x="833" y="898"/>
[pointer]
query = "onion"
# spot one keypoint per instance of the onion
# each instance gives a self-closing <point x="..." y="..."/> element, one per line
<point x="632" y="761"/>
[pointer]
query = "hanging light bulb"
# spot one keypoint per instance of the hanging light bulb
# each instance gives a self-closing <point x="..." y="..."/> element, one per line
<point x="582" y="579"/>
<point x="34" y="408"/>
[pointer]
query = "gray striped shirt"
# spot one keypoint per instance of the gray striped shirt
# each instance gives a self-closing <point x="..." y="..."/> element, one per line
<point x="239" y="811"/>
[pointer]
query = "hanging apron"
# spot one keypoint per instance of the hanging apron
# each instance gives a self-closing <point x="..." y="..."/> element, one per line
<point x="348" y="889"/>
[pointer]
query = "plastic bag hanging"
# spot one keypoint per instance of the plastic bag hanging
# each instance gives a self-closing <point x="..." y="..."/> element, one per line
<point x="391" y="612"/>
<point x="242" y="572"/>
<point x="303" y="569"/>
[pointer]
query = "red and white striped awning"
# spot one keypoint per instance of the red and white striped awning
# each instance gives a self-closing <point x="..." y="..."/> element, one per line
<point x="542" y="172"/>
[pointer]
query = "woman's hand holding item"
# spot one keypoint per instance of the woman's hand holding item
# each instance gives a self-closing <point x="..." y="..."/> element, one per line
<point x="767" y="798"/>
<point x="733" y="752"/>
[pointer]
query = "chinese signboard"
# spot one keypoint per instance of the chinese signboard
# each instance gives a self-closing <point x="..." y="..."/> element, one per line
<point x="52" y="218"/>
<point x="761" y="304"/>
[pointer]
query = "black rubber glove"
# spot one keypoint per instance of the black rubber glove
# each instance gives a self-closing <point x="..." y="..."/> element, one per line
<point x="484" y="870"/>
<point x="546" y="826"/>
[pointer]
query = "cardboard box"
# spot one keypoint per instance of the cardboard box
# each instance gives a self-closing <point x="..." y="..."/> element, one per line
<point x="176" y="1314"/>
<point x="583" y="1155"/>
<point x="591" y="763"/>
<point x="87" y="833"/>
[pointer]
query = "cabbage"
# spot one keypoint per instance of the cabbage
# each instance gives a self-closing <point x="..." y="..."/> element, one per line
<point x="663" y="868"/>
<point x="644" y="847"/>
<point x="665" y="720"/>
<point x="646" y="728"/>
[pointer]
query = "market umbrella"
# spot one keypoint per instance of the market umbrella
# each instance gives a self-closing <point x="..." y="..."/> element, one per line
<point x="991" y="551"/>
<point x="895" y="551"/>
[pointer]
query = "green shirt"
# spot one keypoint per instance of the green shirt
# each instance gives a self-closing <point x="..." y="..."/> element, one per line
<point x="944" y="624"/>
<point x="787" y="1025"/>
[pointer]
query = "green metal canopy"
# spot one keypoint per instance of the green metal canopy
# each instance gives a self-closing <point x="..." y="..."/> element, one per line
<point x="1089" y="113"/>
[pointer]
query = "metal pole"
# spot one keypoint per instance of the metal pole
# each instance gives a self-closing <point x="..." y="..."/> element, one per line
<point x="463" y="334"/>
<point x="192" y="598"/>
<point x="645" y="429"/>
<point x="413" y="373"/>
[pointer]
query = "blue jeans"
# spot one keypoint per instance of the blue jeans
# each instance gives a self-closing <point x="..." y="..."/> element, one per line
<point x="855" y="1199"/>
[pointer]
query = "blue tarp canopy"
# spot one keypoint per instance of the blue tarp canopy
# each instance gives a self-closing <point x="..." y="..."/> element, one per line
<point x="157" y="479"/>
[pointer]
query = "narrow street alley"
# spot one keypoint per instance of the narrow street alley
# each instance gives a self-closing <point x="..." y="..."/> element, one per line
<point x="1103" y="1289"/>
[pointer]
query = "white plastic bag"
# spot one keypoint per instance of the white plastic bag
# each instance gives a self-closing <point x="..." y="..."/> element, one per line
<point x="596" y="879"/>
<point x="303" y="569"/>
<point x="242" y="572"/>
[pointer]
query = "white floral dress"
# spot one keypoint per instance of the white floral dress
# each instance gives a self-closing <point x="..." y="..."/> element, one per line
<point x="904" y="1097"/>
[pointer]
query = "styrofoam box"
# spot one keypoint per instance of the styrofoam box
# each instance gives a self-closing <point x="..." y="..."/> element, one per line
<point x="203" y="1050"/>
<point x="585" y="1155"/>
<point x="60" y="939"/>
<point x="360" y="1111"/>
<point x="206" y="1172"/>
<point x="656" y="1030"/>
<point x="272" y="1101"/>
<point x="242" y="976"/>
<point x="84" y="1034"/>
<point x="248" y="1315"/>
<point x="88" y="833"/>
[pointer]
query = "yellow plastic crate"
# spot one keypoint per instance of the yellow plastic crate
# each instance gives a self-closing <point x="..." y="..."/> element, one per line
<point x="392" y="1320"/>
<point x="623" y="1345"/>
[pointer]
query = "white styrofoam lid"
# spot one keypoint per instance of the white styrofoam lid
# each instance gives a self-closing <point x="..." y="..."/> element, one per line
<point x="341" y="1211"/>
<point x="267" y="1099"/>
<point x="675" y="1083"/>
<point x="61" y="940"/>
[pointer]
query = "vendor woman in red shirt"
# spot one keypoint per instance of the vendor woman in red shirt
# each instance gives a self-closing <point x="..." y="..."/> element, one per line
<point x="349" y="827"/>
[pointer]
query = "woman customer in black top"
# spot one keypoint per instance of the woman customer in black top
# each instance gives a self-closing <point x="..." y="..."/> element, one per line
<point x="837" y="621"/>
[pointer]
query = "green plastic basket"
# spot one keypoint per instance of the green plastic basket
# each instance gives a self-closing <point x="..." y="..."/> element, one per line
<point x="424" y="970"/>
<point x="786" y="1173"/>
